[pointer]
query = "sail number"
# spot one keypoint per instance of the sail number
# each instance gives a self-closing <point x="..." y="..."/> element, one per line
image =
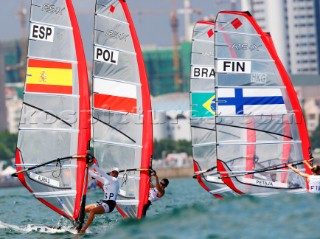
<point x="228" y="66"/>
<point x="106" y="55"/>
<point x="41" y="32"/>
<point x="202" y="72"/>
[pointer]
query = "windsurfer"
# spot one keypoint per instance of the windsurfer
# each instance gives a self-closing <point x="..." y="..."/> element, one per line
<point x="313" y="180"/>
<point x="111" y="187"/>
<point x="156" y="191"/>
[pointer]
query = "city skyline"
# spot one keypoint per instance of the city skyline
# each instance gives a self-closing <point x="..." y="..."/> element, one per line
<point x="147" y="15"/>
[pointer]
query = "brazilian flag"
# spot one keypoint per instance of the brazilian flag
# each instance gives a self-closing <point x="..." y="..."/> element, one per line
<point x="203" y="105"/>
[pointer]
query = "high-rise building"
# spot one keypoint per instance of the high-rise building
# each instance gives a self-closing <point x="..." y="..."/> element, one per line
<point x="160" y="69"/>
<point x="10" y="52"/>
<point x="3" y="109"/>
<point x="294" y="30"/>
<point x="14" y="105"/>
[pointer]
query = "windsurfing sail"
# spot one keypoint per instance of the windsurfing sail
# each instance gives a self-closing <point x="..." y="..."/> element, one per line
<point x="202" y="98"/>
<point x="122" y="117"/>
<point x="259" y="123"/>
<point x="54" y="129"/>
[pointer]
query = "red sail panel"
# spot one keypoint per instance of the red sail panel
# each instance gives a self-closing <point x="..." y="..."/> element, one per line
<point x="147" y="139"/>
<point x="115" y="103"/>
<point x="84" y="135"/>
<point x="251" y="137"/>
<point x="200" y="181"/>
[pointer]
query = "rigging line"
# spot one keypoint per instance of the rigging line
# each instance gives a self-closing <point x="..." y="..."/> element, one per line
<point x="271" y="168"/>
<point x="32" y="106"/>
<point x="115" y="129"/>
<point x="46" y="163"/>
<point x="198" y="127"/>
<point x="57" y="171"/>
<point x="260" y="130"/>
<point x="124" y="179"/>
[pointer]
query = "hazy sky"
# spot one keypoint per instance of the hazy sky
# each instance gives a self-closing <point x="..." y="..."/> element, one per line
<point x="152" y="29"/>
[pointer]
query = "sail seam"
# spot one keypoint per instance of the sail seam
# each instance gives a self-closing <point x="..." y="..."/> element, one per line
<point x="52" y="59"/>
<point x="241" y="59"/>
<point x="117" y="112"/>
<point x="50" y="129"/>
<point x="119" y="144"/>
<point x="201" y="40"/>
<point x="112" y="19"/>
<point x="54" y="25"/>
<point x="258" y="143"/>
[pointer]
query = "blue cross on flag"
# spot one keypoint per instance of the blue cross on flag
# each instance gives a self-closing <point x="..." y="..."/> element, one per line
<point x="250" y="101"/>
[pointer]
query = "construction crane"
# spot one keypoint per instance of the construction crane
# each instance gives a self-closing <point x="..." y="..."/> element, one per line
<point x="186" y="11"/>
<point x="22" y="14"/>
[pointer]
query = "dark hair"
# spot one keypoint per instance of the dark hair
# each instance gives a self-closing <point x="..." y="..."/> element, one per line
<point x="316" y="169"/>
<point x="166" y="181"/>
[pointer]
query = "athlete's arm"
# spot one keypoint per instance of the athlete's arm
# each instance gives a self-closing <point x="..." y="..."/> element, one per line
<point x="297" y="171"/>
<point x="307" y="163"/>
<point x="103" y="173"/>
<point x="160" y="190"/>
<point x="96" y="176"/>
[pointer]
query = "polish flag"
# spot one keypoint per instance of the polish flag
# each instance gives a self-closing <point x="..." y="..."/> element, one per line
<point x="114" y="96"/>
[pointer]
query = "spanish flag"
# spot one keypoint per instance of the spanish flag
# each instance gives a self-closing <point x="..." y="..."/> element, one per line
<point x="49" y="77"/>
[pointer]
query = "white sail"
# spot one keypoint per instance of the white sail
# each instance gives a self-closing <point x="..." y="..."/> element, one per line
<point x="259" y="122"/>
<point x="122" y="121"/>
<point x="55" y="122"/>
<point x="202" y="98"/>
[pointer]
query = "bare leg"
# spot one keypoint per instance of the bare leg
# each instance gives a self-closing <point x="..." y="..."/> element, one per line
<point x="93" y="210"/>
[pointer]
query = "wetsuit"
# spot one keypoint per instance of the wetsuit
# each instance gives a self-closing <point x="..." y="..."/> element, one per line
<point x="153" y="196"/>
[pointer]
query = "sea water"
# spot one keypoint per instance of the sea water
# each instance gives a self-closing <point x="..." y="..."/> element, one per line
<point x="186" y="211"/>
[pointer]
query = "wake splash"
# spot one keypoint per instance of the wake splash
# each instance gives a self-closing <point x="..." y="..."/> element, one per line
<point x="37" y="228"/>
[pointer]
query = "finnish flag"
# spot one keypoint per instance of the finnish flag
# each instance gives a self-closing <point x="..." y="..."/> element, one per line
<point x="250" y="101"/>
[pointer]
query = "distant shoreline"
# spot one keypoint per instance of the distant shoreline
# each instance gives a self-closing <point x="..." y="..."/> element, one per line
<point x="175" y="172"/>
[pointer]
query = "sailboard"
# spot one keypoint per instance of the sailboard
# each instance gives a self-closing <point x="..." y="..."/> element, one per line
<point x="54" y="130"/>
<point x="259" y="123"/>
<point x="202" y="96"/>
<point x="122" y="117"/>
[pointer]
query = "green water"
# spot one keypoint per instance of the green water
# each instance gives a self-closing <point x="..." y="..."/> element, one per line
<point x="187" y="211"/>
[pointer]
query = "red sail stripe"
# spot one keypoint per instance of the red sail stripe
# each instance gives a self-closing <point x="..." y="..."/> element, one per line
<point x="49" y="64"/>
<point x="199" y="178"/>
<point x="84" y="134"/>
<point x="115" y="103"/>
<point x="250" y="149"/>
<point x="147" y="138"/>
<point x="226" y="177"/>
<point x="54" y="89"/>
